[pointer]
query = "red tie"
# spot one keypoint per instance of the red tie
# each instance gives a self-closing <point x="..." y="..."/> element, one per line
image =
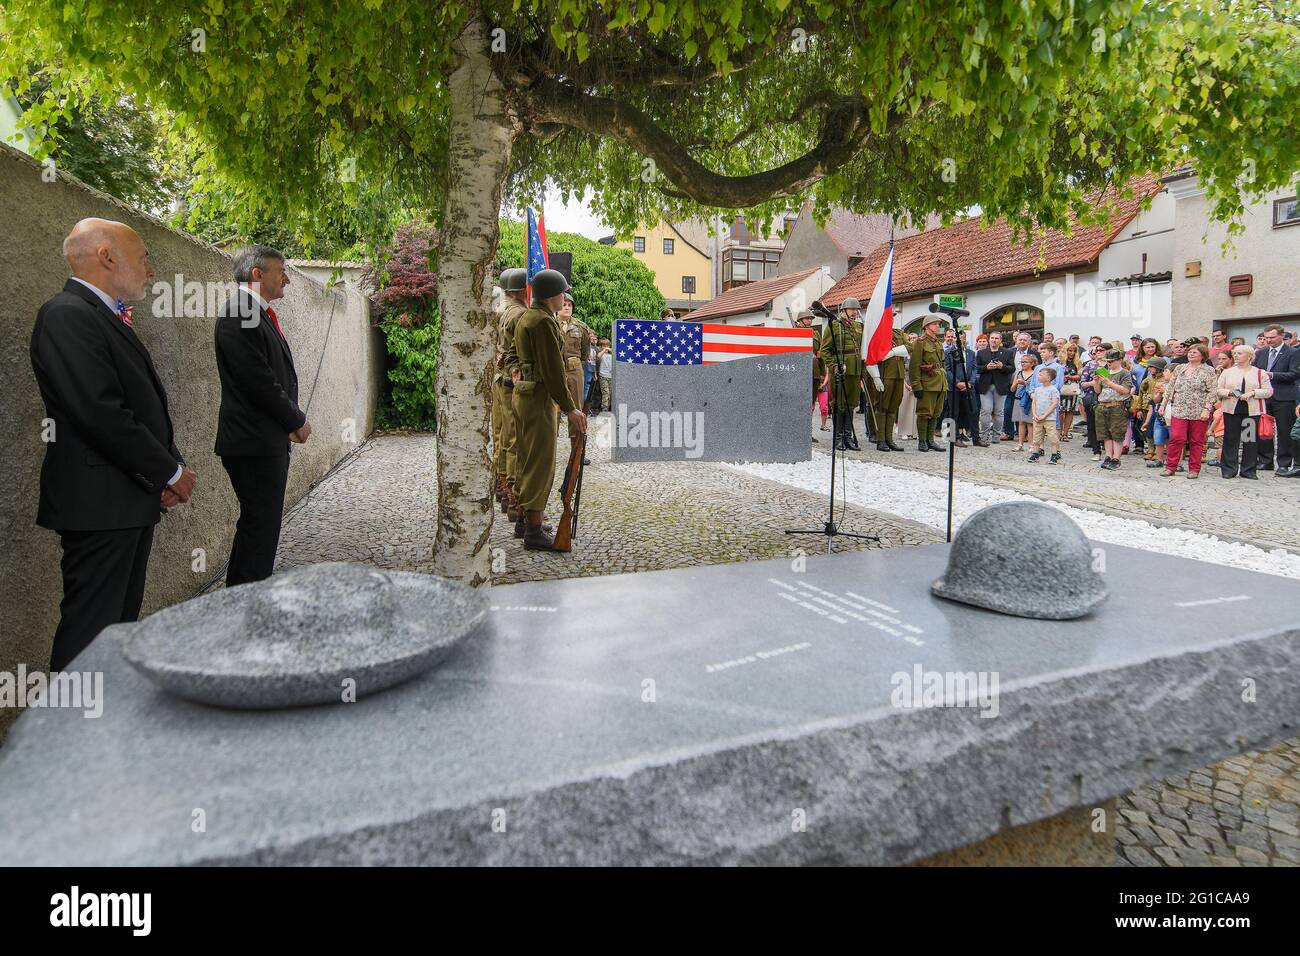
<point x="274" y="321"/>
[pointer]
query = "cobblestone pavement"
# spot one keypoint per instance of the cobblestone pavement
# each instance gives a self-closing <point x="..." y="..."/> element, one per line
<point x="647" y="517"/>
<point x="1242" y="812"/>
<point x="1265" y="512"/>
<point x="634" y="517"/>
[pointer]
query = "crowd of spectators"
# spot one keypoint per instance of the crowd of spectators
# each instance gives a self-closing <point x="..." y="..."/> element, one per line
<point x="1179" y="406"/>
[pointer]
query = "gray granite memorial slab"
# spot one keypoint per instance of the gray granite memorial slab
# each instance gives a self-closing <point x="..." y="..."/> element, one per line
<point x="309" y="636"/>
<point x="686" y="716"/>
<point x="750" y="409"/>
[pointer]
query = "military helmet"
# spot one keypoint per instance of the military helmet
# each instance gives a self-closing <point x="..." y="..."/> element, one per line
<point x="1005" y="548"/>
<point x="514" y="280"/>
<point x="548" y="283"/>
<point x="850" y="303"/>
<point x="569" y="296"/>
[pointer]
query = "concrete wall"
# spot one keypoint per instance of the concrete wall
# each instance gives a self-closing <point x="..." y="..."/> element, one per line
<point x="810" y="245"/>
<point x="36" y="216"/>
<point x="1271" y="255"/>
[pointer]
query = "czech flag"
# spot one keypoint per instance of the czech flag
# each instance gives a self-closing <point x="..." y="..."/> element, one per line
<point x="878" y="322"/>
<point x="535" y="245"/>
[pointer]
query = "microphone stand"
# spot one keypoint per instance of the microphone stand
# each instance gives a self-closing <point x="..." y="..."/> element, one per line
<point x="829" y="529"/>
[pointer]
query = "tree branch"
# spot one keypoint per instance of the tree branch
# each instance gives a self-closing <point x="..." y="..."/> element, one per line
<point x="846" y="128"/>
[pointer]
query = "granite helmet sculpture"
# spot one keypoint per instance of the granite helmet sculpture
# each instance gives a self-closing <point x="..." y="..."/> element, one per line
<point x="1008" y="549"/>
<point x="514" y="280"/>
<point x="549" y="283"/>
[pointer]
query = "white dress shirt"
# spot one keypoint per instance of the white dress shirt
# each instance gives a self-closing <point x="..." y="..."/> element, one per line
<point x="112" y="307"/>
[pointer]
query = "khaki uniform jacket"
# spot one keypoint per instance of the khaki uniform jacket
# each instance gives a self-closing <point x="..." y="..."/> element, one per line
<point x="507" y="358"/>
<point x="576" y="342"/>
<point x="844" y="340"/>
<point x="894" y="369"/>
<point x="539" y="355"/>
<point x="926" y="368"/>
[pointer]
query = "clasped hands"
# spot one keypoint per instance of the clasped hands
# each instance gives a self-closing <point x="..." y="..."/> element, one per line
<point x="179" y="491"/>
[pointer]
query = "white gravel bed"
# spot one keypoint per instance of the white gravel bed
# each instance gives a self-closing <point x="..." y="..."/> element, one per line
<point x="924" y="498"/>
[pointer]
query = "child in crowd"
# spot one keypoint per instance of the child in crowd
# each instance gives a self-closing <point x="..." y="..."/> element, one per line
<point x="1046" y="403"/>
<point x="1047" y="352"/>
<point x="1142" y="403"/>
<point x="1022" y="383"/>
<point x="1156" y="381"/>
<point x="1113" y="386"/>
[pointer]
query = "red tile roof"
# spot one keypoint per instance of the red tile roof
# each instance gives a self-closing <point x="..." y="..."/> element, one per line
<point x="750" y="297"/>
<point x="964" y="256"/>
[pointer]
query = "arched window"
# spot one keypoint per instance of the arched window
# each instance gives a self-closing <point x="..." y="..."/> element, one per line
<point x="1012" y="318"/>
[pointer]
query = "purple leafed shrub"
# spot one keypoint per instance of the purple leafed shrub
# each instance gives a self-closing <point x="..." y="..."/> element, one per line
<point x="404" y="287"/>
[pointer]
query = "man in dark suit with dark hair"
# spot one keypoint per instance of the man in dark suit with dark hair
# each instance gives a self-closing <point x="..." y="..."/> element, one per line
<point x="111" y="464"/>
<point x="259" y="413"/>
<point x="1282" y="362"/>
<point x="993" y="384"/>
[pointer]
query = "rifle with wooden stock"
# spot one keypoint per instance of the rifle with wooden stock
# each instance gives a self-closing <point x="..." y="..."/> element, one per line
<point x="571" y="495"/>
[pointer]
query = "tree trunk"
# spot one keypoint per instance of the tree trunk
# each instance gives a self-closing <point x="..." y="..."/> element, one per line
<point x="478" y="159"/>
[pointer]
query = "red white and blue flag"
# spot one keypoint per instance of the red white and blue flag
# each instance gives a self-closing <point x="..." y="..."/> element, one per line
<point x="701" y="343"/>
<point x="535" y="243"/>
<point x="878" y="322"/>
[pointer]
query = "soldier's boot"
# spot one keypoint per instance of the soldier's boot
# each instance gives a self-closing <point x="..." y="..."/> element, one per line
<point x="851" y="438"/>
<point x="891" y="422"/>
<point x="922" y="430"/>
<point x="934" y="445"/>
<point x="497" y="492"/>
<point x="521" y="528"/>
<point x="536" y="537"/>
<point x="841" y="432"/>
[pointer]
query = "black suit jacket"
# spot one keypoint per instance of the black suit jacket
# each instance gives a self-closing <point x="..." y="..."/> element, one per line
<point x="1285" y="371"/>
<point x="259" y="385"/>
<point x="988" y="378"/>
<point x="113" y="450"/>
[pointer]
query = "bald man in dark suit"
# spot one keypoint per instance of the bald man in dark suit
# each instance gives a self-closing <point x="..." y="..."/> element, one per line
<point x="111" y="466"/>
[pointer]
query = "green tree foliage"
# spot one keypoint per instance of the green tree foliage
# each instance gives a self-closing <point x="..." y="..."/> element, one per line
<point x="1017" y="106"/>
<point x="608" y="283"/>
<point x="108" y="142"/>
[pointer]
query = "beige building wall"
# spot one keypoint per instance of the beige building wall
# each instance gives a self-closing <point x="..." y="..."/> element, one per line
<point x="668" y="269"/>
<point x="1271" y="255"/>
<point x="341" y="367"/>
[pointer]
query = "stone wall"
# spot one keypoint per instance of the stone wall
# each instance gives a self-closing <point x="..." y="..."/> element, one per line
<point x="340" y="361"/>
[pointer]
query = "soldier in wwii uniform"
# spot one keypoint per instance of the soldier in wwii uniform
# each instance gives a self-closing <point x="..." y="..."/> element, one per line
<point x="929" y="382"/>
<point x="504" y="424"/>
<point x="541" y="386"/>
<point x="841" y="350"/>
<point x="888" y="395"/>
<point x="576" y="339"/>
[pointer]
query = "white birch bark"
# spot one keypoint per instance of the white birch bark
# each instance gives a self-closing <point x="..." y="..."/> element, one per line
<point x="478" y="159"/>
